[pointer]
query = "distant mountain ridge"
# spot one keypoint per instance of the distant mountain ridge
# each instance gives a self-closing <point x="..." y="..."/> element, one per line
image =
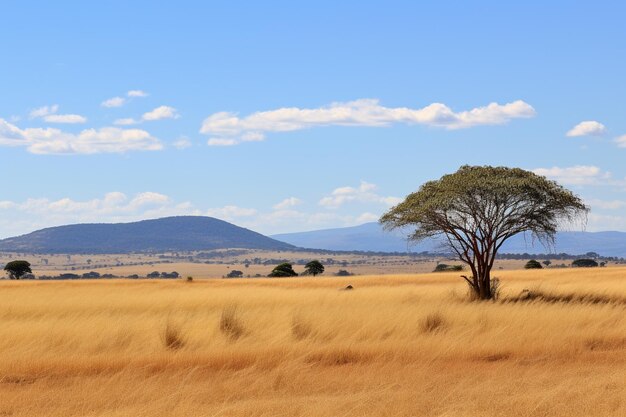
<point x="183" y="233"/>
<point x="371" y="237"/>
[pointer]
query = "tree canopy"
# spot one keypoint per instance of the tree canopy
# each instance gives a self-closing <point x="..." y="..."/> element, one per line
<point x="476" y="209"/>
<point x="314" y="268"/>
<point x="17" y="269"/>
<point x="533" y="264"/>
<point x="283" y="270"/>
<point x="584" y="263"/>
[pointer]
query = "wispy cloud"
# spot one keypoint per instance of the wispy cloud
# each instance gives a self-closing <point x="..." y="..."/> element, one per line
<point x="606" y="204"/>
<point x="603" y="222"/>
<point x="364" y="193"/>
<point x="137" y="93"/>
<point x="621" y="141"/>
<point x="113" y="102"/>
<point x="588" y="128"/>
<point x="576" y="175"/>
<point x="288" y="203"/>
<point x="182" y="143"/>
<point x="34" y="213"/>
<point x="230" y="213"/>
<point x="65" y="118"/>
<point x="222" y="142"/>
<point x="227" y="128"/>
<point x="125" y="122"/>
<point x="19" y="217"/>
<point x="88" y="141"/>
<point x="120" y="101"/>
<point x="43" y="111"/>
<point x="48" y="114"/>
<point x="161" y="112"/>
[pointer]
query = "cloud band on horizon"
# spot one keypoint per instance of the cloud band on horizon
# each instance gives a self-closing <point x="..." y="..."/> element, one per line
<point x="226" y="128"/>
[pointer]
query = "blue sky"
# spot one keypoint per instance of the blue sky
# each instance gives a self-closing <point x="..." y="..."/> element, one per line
<point x="287" y="117"/>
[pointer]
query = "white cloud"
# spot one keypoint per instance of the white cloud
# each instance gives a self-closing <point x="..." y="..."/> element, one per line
<point x="43" y="111"/>
<point x="114" y="102"/>
<point x="35" y="213"/>
<point x="125" y="122"/>
<point x="221" y="142"/>
<point x="576" y="175"/>
<point x="88" y="141"/>
<point x="65" y="118"/>
<point x="588" y="128"/>
<point x="606" y="204"/>
<point x="602" y="222"/>
<point x="621" y="141"/>
<point x="148" y="198"/>
<point x="363" y="112"/>
<point x="230" y="213"/>
<point x="182" y="143"/>
<point x="7" y="205"/>
<point x="48" y="113"/>
<point x="120" y="101"/>
<point x="137" y="93"/>
<point x="365" y="193"/>
<point x="287" y="203"/>
<point x="367" y="218"/>
<point x="161" y="112"/>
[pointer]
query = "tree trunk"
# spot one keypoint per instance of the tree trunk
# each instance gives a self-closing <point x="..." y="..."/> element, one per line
<point x="484" y="284"/>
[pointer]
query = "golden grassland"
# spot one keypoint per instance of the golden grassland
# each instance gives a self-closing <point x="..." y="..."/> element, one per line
<point x="404" y="345"/>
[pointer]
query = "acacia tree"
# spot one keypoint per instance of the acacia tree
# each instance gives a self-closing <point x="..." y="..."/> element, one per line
<point x="283" y="270"/>
<point x="314" y="268"/>
<point x="476" y="209"/>
<point x="17" y="269"/>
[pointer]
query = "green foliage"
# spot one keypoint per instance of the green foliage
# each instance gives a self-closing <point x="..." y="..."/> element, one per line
<point x="343" y="273"/>
<point x="584" y="263"/>
<point x="314" y="268"/>
<point x="447" y="268"/>
<point x="283" y="270"/>
<point x="533" y="264"/>
<point x="17" y="269"/>
<point x="234" y="274"/>
<point x="478" y="208"/>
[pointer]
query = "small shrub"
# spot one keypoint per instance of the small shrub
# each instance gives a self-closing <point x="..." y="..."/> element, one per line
<point x="230" y="324"/>
<point x="532" y="264"/>
<point x="189" y="279"/>
<point x="432" y="323"/>
<point x="447" y="268"/>
<point x="172" y="337"/>
<point x="584" y="263"/>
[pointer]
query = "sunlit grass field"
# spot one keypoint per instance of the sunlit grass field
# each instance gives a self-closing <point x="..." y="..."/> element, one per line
<point x="403" y="345"/>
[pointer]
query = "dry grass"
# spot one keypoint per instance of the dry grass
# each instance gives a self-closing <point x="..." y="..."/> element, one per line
<point x="395" y="346"/>
<point x="230" y="323"/>
<point x="172" y="336"/>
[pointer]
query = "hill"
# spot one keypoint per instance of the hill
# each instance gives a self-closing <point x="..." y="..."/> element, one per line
<point x="371" y="237"/>
<point x="182" y="233"/>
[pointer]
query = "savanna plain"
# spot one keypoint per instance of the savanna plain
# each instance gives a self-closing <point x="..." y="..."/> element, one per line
<point x="554" y="344"/>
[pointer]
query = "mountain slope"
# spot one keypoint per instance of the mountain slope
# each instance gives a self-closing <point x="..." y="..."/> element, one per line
<point x="166" y="234"/>
<point x="371" y="237"/>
